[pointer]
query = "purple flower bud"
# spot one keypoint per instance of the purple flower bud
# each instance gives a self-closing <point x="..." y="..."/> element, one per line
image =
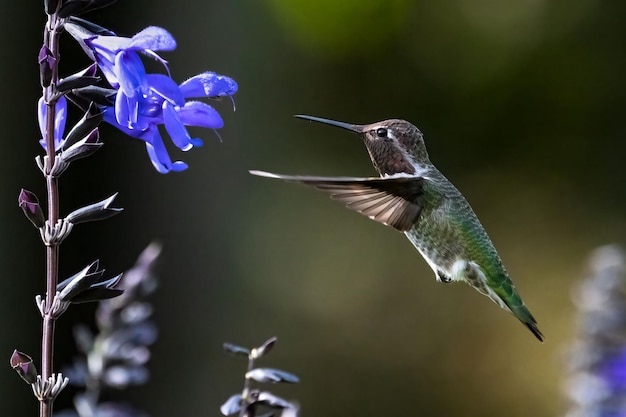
<point x="46" y="61"/>
<point x="23" y="365"/>
<point x="29" y="203"/>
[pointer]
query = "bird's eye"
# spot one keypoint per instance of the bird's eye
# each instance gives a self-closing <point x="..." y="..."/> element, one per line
<point x="381" y="132"/>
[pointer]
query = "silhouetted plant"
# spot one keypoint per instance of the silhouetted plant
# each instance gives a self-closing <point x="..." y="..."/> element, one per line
<point x="253" y="401"/>
<point x="116" y="356"/>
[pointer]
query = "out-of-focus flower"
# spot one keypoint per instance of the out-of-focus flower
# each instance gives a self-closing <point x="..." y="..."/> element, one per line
<point x="117" y="355"/>
<point x="596" y="384"/>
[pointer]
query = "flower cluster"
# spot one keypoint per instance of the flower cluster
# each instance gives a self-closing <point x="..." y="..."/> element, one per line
<point x="597" y="361"/>
<point x="137" y="102"/>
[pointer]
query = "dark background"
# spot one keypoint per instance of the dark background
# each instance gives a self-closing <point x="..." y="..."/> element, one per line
<point x="521" y="104"/>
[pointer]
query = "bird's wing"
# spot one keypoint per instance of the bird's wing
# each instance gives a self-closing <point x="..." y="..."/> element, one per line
<point x="392" y="201"/>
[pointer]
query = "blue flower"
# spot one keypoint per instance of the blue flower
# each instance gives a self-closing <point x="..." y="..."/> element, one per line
<point x="613" y="371"/>
<point x="119" y="60"/>
<point x="60" y="110"/>
<point x="164" y="102"/>
<point x="145" y="101"/>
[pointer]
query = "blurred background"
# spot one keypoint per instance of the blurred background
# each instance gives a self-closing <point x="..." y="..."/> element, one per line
<point x="521" y="106"/>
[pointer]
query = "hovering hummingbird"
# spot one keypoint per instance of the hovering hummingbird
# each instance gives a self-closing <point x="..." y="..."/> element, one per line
<point x="412" y="196"/>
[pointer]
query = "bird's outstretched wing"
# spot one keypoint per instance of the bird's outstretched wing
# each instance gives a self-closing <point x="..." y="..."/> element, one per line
<point x="394" y="201"/>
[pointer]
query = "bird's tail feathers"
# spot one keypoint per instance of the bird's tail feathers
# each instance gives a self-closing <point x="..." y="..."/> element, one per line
<point x="516" y="306"/>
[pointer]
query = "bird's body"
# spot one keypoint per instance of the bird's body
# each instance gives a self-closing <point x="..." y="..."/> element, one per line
<point x="413" y="197"/>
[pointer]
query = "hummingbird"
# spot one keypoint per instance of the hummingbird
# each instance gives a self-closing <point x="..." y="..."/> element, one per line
<point x="414" y="197"/>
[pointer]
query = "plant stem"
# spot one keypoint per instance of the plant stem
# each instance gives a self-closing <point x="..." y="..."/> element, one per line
<point x="51" y="40"/>
<point x="245" y="393"/>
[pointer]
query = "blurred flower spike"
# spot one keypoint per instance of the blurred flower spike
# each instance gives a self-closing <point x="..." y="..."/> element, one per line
<point x="144" y="101"/>
<point x="596" y="384"/>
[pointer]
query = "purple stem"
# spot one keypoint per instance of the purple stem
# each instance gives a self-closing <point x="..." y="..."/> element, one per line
<point x="51" y="40"/>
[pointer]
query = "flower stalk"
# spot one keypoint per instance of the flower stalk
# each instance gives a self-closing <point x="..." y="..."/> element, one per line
<point x="251" y="400"/>
<point x="51" y="42"/>
<point x="114" y="88"/>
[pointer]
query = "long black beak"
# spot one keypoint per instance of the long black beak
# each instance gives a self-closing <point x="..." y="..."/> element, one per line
<point x="347" y="126"/>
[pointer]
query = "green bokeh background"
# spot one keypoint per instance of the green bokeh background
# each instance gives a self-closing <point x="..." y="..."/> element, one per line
<point x="521" y="104"/>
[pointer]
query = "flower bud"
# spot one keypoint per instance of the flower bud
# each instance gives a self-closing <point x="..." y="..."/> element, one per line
<point x="29" y="204"/>
<point x="23" y="365"/>
<point x="46" y="61"/>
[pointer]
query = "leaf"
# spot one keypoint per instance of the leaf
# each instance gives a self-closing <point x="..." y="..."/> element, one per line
<point x="271" y="375"/>
<point x="272" y="400"/>
<point x="96" y="294"/>
<point x="265" y="348"/>
<point x="232" y="405"/>
<point x="236" y="350"/>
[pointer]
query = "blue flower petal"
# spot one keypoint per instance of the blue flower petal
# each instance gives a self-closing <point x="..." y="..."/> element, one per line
<point x="197" y="113"/>
<point x="110" y="118"/>
<point x="197" y="142"/>
<point x="179" y="166"/>
<point x="166" y="88"/>
<point x="131" y="73"/>
<point x="126" y="110"/>
<point x="175" y="127"/>
<point x="109" y="70"/>
<point x="146" y="101"/>
<point x="153" y="38"/>
<point x="159" y="156"/>
<point x="208" y="84"/>
<point x="41" y="115"/>
<point x="60" y="119"/>
<point x="110" y="51"/>
<point x="154" y="158"/>
<point x="156" y="149"/>
<point x="614" y="372"/>
<point x="108" y="45"/>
